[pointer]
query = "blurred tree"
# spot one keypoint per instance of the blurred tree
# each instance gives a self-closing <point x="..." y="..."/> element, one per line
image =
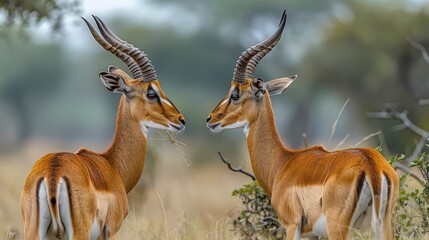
<point x="25" y="13"/>
<point x="31" y="76"/>
<point x="366" y="55"/>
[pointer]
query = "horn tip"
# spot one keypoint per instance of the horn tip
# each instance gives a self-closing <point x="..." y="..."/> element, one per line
<point x="111" y="68"/>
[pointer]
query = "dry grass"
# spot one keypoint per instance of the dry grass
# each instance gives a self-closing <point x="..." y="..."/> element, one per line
<point x="193" y="202"/>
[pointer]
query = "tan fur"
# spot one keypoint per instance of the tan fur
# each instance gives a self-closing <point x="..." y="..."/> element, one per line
<point x="97" y="184"/>
<point x="306" y="184"/>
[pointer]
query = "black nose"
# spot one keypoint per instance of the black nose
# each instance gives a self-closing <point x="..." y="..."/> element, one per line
<point x="209" y="118"/>
<point x="182" y="120"/>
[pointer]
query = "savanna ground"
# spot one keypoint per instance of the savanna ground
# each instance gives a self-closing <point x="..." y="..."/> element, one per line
<point x="173" y="201"/>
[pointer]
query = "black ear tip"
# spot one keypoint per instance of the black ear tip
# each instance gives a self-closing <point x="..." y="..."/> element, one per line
<point x="294" y="77"/>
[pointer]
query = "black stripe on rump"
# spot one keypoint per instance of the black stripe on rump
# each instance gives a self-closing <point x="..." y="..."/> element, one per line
<point x="359" y="185"/>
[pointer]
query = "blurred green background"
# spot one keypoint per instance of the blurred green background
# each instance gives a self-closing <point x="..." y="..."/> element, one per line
<point x="339" y="49"/>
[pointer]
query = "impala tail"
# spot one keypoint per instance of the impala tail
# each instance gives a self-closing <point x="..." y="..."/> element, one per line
<point x="54" y="218"/>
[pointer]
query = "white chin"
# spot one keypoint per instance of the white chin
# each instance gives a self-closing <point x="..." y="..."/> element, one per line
<point x="145" y="125"/>
<point x="216" y="129"/>
<point x="241" y="124"/>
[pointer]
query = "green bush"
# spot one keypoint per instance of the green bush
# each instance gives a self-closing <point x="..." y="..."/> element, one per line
<point x="257" y="219"/>
<point x="411" y="218"/>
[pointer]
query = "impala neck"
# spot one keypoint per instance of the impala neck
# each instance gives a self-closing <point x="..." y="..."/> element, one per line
<point x="128" y="149"/>
<point x="267" y="152"/>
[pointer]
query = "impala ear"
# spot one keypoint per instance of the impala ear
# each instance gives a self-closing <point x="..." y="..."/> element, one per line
<point x="114" y="83"/>
<point x="278" y="85"/>
<point x="258" y="88"/>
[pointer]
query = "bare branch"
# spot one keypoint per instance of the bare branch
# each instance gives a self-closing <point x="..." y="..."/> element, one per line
<point x="419" y="47"/>
<point x="240" y="170"/>
<point x="406" y="124"/>
<point x="418" y="149"/>
<point x="407" y="170"/>
<point x="423" y="102"/>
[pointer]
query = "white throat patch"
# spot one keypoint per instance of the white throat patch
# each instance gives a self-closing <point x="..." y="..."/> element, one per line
<point x="145" y="125"/>
<point x="241" y="124"/>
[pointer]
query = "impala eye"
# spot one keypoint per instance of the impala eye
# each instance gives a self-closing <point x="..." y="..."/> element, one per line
<point x="235" y="96"/>
<point x="151" y="94"/>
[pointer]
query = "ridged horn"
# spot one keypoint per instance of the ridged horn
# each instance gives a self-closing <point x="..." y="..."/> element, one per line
<point x="249" y="59"/>
<point x="136" y="60"/>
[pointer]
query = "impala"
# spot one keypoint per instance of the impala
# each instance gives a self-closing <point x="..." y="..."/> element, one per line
<point x="83" y="195"/>
<point x="316" y="193"/>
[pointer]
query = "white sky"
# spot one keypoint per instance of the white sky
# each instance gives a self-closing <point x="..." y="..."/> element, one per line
<point x="135" y="10"/>
<point x="144" y="11"/>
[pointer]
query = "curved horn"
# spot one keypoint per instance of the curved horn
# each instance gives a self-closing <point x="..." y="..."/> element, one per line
<point x="246" y="63"/>
<point x="119" y="44"/>
<point x="136" y="60"/>
<point x="143" y="62"/>
<point x="121" y="55"/>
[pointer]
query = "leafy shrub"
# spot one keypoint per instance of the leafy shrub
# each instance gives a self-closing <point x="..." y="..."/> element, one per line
<point x="411" y="218"/>
<point x="257" y="220"/>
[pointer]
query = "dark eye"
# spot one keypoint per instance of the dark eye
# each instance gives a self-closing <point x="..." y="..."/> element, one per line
<point x="235" y="96"/>
<point x="151" y="94"/>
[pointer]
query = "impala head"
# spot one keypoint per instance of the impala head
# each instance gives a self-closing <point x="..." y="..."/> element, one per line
<point x="148" y="103"/>
<point x="241" y="104"/>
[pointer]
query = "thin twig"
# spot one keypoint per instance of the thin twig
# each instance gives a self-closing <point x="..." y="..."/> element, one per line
<point x="383" y="141"/>
<point x="163" y="210"/>
<point x="135" y="222"/>
<point x="342" y="142"/>
<point x="240" y="170"/>
<point x="366" y="138"/>
<point x="182" y="216"/>
<point x="304" y="137"/>
<point x="172" y="139"/>
<point x="334" y="125"/>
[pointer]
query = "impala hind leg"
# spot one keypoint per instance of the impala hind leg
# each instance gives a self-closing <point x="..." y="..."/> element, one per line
<point x="36" y="214"/>
<point x="387" y="230"/>
<point x="336" y="228"/>
<point x="293" y="232"/>
<point x="337" y="203"/>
